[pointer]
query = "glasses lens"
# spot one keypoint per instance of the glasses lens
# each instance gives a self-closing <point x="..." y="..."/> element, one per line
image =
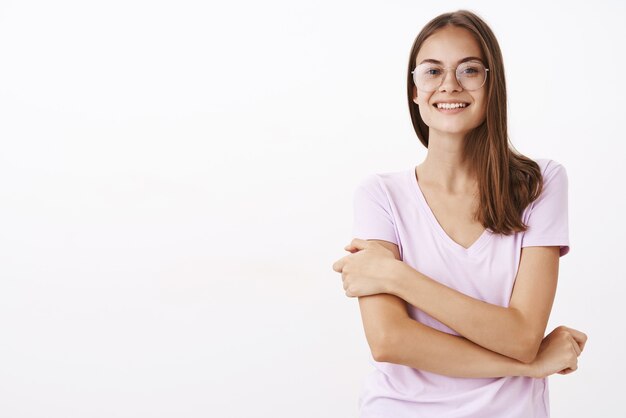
<point x="428" y="77"/>
<point x="471" y="75"/>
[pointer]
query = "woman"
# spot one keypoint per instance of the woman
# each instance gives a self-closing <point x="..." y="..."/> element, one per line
<point x="455" y="261"/>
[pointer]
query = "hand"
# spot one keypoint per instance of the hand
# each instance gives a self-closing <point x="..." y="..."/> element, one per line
<point x="365" y="271"/>
<point x="559" y="352"/>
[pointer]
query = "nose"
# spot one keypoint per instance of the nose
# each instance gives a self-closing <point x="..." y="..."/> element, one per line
<point x="449" y="82"/>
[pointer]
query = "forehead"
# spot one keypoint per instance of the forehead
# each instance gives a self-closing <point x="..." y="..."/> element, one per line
<point x="449" y="45"/>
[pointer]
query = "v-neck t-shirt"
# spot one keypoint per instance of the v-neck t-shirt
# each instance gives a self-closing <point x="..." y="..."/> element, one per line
<point x="391" y="206"/>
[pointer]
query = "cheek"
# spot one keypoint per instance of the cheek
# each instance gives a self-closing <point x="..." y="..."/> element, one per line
<point x="482" y="100"/>
<point x="424" y="100"/>
<point x="483" y="108"/>
<point x="425" y="113"/>
<point x="424" y="106"/>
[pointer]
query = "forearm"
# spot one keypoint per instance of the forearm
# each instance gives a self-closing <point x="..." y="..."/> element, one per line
<point x="419" y="346"/>
<point x="494" y="327"/>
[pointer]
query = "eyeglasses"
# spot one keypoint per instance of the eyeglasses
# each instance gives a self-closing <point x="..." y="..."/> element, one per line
<point x="471" y="75"/>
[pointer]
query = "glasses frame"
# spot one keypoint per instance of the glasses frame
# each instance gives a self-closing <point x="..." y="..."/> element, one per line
<point x="456" y="76"/>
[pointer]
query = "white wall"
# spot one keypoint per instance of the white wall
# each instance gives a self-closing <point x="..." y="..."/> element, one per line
<point x="176" y="181"/>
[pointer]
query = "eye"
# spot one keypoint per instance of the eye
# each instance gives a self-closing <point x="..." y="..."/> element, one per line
<point x="471" y="69"/>
<point x="432" y="71"/>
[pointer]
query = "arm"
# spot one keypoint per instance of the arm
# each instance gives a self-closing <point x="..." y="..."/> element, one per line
<point x="515" y="331"/>
<point x="396" y="338"/>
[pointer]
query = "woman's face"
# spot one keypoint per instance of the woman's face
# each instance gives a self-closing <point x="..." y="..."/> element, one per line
<point x="450" y="45"/>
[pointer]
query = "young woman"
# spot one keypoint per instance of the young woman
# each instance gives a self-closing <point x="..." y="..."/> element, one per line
<point x="455" y="261"/>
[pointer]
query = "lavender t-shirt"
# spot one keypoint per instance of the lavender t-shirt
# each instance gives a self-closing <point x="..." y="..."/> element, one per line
<point x="391" y="207"/>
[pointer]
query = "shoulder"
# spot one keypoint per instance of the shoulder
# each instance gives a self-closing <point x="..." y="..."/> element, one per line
<point x="383" y="181"/>
<point x="550" y="168"/>
<point x="389" y="188"/>
<point x="555" y="183"/>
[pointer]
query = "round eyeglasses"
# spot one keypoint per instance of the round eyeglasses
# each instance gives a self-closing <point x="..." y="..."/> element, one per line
<point x="471" y="75"/>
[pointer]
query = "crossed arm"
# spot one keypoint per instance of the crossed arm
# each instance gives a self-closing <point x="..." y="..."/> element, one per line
<point x="497" y="341"/>
<point x="394" y="337"/>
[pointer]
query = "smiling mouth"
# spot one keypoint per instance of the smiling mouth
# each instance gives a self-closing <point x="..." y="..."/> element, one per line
<point x="462" y="106"/>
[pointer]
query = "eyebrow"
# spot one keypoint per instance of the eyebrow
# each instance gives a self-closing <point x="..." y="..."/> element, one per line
<point x="433" y="61"/>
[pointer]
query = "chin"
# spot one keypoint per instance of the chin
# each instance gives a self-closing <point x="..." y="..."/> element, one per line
<point x="452" y="129"/>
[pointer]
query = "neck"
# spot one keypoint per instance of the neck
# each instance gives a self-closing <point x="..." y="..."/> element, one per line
<point x="444" y="167"/>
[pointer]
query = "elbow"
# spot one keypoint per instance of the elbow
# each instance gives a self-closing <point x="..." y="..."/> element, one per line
<point x="528" y="350"/>
<point x="379" y="354"/>
<point x="382" y="348"/>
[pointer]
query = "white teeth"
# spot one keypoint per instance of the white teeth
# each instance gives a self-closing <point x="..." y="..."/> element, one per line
<point x="450" y="105"/>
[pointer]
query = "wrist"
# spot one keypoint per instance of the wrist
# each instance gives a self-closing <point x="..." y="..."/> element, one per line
<point x="396" y="271"/>
<point x="528" y="369"/>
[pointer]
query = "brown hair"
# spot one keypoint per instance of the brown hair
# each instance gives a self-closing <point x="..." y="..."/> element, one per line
<point x="507" y="180"/>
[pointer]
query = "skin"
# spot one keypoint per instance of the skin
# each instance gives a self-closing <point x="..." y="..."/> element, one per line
<point x="370" y="273"/>
<point x="444" y="169"/>
<point x="444" y="176"/>
<point x="498" y="341"/>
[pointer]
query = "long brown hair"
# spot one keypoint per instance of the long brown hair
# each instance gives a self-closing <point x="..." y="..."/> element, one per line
<point x="507" y="180"/>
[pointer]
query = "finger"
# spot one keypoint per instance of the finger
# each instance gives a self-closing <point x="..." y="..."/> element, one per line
<point x="575" y="346"/>
<point x="358" y="244"/>
<point x="571" y="369"/>
<point x="353" y="249"/>
<point x="580" y="337"/>
<point x="338" y="265"/>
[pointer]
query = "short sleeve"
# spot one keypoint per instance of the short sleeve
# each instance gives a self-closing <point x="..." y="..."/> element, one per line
<point x="373" y="218"/>
<point x="548" y="217"/>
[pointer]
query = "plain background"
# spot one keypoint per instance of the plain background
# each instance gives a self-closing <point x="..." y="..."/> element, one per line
<point x="176" y="181"/>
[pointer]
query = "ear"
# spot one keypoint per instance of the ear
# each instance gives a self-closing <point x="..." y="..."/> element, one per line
<point x="415" y="95"/>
